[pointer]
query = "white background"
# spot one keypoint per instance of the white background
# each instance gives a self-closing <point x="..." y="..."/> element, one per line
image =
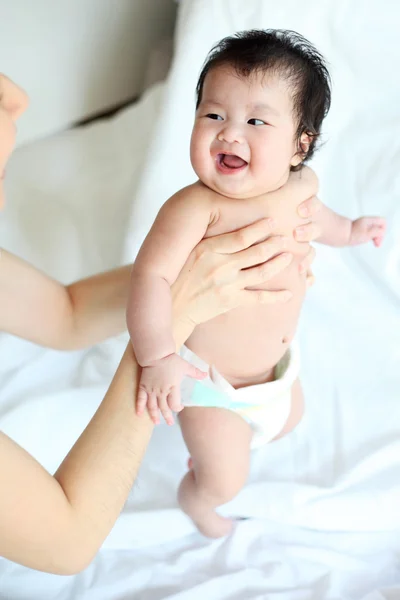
<point x="78" y="57"/>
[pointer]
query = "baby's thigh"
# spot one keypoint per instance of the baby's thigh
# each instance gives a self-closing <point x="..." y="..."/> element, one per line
<point x="218" y="441"/>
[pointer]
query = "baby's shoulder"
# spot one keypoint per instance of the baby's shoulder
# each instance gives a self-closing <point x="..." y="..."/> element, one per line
<point x="305" y="179"/>
<point x="195" y="198"/>
<point x="300" y="186"/>
<point x="195" y="192"/>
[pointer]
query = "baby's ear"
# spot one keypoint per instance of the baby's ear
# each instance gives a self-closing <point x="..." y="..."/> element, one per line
<point x="303" y="147"/>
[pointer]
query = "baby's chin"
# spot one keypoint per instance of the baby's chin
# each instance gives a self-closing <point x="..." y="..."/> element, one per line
<point x="231" y="189"/>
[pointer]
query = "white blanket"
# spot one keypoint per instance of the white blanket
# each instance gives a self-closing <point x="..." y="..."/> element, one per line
<point x="325" y="500"/>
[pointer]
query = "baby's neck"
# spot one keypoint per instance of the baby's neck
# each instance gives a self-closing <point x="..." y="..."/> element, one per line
<point x="248" y="196"/>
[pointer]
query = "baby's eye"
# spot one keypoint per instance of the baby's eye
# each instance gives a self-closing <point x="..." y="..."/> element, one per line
<point x="256" y="122"/>
<point x="214" y="116"/>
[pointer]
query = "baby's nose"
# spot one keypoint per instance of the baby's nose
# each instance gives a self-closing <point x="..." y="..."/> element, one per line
<point x="230" y="134"/>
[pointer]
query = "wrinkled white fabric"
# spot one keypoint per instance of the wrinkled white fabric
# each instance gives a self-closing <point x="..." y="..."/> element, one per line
<point x="324" y="500"/>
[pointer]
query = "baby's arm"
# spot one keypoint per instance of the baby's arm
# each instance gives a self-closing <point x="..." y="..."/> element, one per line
<point x="339" y="231"/>
<point x="179" y="227"/>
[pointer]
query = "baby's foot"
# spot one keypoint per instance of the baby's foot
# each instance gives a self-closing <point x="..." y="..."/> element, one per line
<point x="207" y="521"/>
<point x="215" y="527"/>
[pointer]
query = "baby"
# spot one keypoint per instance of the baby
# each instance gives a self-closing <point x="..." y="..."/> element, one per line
<point x="261" y="100"/>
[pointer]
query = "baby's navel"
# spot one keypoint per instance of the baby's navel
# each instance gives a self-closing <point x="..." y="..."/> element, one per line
<point x="285" y="339"/>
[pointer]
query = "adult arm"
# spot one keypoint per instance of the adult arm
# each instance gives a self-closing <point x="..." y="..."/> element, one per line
<point x="58" y="523"/>
<point x="35" y="307"/>
<point x="38" y="308"/>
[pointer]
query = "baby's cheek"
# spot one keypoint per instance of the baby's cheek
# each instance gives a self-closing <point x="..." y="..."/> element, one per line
<point x="199" y="164"/>
<point x="196" y="154"/>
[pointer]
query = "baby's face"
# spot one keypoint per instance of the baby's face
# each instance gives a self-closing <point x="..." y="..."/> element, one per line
<point x="243" y="140"/>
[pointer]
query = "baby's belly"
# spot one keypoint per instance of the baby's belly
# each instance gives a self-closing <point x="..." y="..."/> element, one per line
<point x="245" y="344"/>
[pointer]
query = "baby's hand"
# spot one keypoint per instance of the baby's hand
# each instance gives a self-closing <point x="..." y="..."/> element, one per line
<point x="159" y="387"/>
<point x="366" y="229"/>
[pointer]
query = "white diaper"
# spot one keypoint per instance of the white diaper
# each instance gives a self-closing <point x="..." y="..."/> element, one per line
<point x="266" y="407"/>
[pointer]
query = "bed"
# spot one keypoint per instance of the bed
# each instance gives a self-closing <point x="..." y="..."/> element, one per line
<point x="322" y="504"/>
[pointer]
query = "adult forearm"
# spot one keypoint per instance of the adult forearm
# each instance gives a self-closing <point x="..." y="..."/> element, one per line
<point x="98" y="307"/>
<point x="99" y="471"/>
<point x="38" y="308"/>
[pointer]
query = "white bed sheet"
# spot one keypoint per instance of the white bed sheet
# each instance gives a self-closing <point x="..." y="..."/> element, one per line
<point x="325" y="500"/>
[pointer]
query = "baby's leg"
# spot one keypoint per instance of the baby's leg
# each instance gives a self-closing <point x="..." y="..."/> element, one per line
<point x="296" y="411"/>
<point x="219" y="443"/>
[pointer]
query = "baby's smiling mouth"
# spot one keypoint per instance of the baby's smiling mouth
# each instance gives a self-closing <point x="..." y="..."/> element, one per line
<point x="230" y="162"/>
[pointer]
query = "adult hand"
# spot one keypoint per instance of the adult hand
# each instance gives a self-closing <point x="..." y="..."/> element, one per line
<point x="308" y="232"/>
<point x="218" y="271"/>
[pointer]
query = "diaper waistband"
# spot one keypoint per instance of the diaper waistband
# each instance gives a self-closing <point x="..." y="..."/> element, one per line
<point x="287" y="371"/>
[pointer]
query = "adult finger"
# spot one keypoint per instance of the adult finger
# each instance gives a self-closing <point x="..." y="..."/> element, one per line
<point x="264" y="272"/>
<point x="307" y="232"/>
<point x="310" y="279"/>
<point x="307" y="260"/>
<point x="261" y="252"/>
<point x="229" y="243"/>
<point x="310" y="207"/>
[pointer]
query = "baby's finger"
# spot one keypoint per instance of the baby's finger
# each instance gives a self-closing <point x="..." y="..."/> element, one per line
<point x="378" y="241"/>
<point x="307" y="232"/>
<point x="376" y="230"/>
<point x="174" y="400"/>
<point x="141" y="401"/>
<point x="152" y="407"/>
<point x="265" y="271"/>
<point x="377" y="221"/>
<point x="164" y="408"/>
<point x="194" y="372"/>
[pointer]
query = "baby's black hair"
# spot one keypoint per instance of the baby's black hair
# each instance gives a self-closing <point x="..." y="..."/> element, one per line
<point x="288" y="54"/>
